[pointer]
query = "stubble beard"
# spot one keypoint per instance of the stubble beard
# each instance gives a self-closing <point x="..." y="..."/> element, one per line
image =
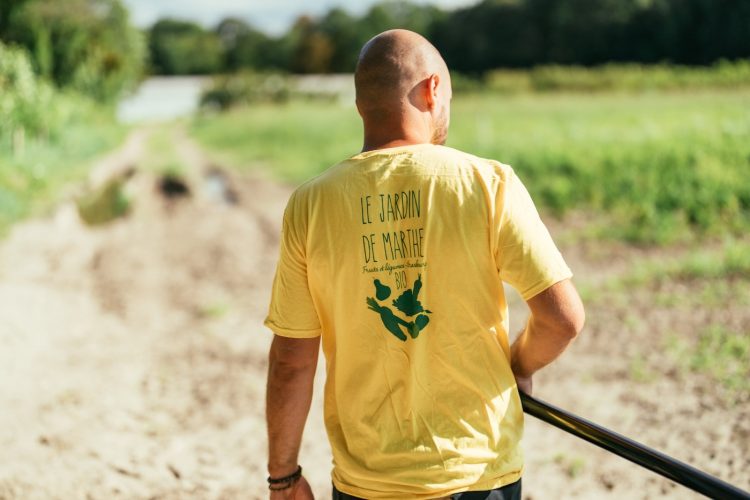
<point x="440" y="131"/>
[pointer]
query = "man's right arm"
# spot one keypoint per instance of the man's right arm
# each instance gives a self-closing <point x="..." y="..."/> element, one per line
<point x="557" y="316"/>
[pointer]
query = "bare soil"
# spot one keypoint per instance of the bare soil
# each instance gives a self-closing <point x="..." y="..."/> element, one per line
<point x="133" y="358"/>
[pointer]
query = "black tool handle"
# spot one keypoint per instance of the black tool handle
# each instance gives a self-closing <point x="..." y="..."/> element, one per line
<point x="644" y="456"/>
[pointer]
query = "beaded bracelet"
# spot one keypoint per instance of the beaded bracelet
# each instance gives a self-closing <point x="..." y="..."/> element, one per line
<point x="282" y="483"/>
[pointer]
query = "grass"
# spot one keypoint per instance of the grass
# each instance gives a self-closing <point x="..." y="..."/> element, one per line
<point x="654" y="167"/>
<point x="294" y="141"/>
<point x="162" y="157"/>
<point x="33" y="180"/>
<point x="214" y="310"/>
<point x="730" y="259"/>
<point x="715" y="275"/>
<point x="48" y="138"/>
<point x="718" y="293"/>
<point x="620" y="77"/>
<point x="701" y="285"/>
<point x="640" y="369"/>
<point x="572" y="465"/>
<point x="660" y="165"/>
<point x="719" y="352"/>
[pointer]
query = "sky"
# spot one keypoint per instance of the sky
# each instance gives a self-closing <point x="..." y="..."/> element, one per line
<point x="271" y="16"/>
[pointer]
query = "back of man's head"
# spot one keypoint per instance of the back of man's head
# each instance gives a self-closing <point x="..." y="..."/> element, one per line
<point x="395" y="74"/>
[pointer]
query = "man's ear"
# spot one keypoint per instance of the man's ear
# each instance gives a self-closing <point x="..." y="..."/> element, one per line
<point x="433" y="81"/>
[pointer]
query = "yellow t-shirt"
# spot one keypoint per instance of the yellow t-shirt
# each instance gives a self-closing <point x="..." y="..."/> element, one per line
<point x="396" y="258"/>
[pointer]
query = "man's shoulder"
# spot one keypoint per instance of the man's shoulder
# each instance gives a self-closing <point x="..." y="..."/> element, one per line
<point x="490" y="170"/>
<point x="319" y="187"/>
<point x="329" y="178"/>
<point x="474" y="160"/>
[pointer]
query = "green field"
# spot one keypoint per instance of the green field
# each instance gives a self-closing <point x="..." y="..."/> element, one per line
<point x="645" y="167"/>
<point x="34" y="179"/>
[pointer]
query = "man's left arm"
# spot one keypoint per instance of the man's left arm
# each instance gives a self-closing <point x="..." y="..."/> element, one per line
<point x="291" y="372"/>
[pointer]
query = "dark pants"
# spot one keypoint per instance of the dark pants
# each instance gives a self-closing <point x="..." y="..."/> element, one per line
<point x="509" y="492"/>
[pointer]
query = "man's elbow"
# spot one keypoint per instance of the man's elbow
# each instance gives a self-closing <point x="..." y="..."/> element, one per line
<point x="559" y="310"/>
<point x="577" y="322"/>
<point x="573" y="318"/>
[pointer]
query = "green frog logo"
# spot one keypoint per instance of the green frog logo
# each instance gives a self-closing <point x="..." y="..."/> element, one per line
<point x="407" y="303"/>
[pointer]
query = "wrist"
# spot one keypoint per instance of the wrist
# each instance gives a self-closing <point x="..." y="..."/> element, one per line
<point x="281" y="468"/>
<point x="278" y="483"/>
<point x="278" y="470"/>
<point x="519" y="371"/>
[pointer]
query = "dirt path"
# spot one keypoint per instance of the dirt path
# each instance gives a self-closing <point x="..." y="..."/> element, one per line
<point x="132" y="358"/>
<point x="132" y="355"/>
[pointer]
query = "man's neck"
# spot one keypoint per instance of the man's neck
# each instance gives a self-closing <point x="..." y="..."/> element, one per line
<point x="407" y="131"/>
<point x="394" y="143"/>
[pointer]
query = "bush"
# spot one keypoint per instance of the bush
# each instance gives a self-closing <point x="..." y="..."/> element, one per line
<point x="620" y="77"/>
<point x="253" y="88"/>
<point x="47" y="137"/>
<point x="27" y="107"/>
<point x="84" y="45"/>
<point x="245" y="88"/>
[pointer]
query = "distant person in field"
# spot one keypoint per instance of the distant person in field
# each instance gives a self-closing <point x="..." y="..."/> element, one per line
<point x="395" y="260"/>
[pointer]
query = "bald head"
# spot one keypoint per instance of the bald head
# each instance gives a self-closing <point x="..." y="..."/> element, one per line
<point x="394" y="73"/>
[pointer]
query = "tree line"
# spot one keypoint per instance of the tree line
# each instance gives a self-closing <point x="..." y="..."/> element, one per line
<point x="90" y="45"/>
<point x="85" y="45"/>
<point x="488" y="35"/>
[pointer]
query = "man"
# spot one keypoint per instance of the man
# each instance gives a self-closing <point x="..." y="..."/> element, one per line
<point x="395" y="258"/>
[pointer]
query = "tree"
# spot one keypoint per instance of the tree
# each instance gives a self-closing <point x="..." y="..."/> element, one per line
<point x="489" y="35"/>
<point x="341" y="29"/>
<point x="246" y="47"/>
<point x="313" y="49"/>
<point x="183" y="48"/>
<point x="88" y="45"/>
<point x="8" y="9"/>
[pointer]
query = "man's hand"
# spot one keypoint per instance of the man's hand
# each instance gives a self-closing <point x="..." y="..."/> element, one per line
<point x="557" y="316"/>
<point x="300" y="491"/>
<point x="524" y="384"/>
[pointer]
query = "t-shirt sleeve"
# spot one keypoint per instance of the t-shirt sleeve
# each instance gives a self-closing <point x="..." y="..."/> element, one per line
<point x="292" y="312"/>
<point x="525" y="254"/>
